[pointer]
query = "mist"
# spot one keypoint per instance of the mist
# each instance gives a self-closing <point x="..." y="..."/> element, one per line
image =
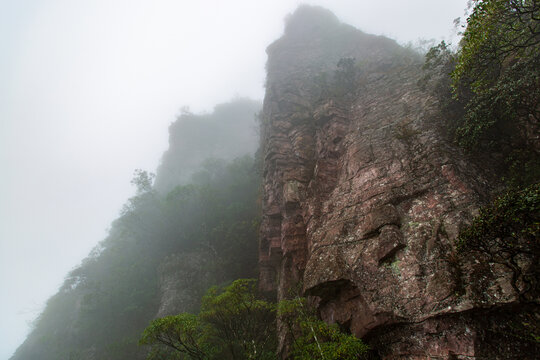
<point x="88" y="92"/>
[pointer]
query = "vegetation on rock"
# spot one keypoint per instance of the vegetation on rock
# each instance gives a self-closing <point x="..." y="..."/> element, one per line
<point x="234" y="323"/>
<point x="498" y="64"/>
<point x="313" y="338"/>
<point x="106" y="302"/>
<point x="507" y="232"/>
<point x="489" y="89"/>
<point x="489" y="92"/>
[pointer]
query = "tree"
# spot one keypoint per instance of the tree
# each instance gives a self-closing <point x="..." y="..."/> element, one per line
<point x="142" y="180"/>
<point x="182" y="335"/>
<point x="345" y="76"/>
<point x="440" y="61"/>
<point x="242" y="325"/>
<point x="499" y="64"/>
<point x="508" y="233"/>
<point x="498" y="33"/>
<point x="233" y="324"/>
<point x="312" y="338"/>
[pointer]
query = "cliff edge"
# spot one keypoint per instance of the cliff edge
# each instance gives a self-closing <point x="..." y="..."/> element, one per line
<point x="363" y="200"/>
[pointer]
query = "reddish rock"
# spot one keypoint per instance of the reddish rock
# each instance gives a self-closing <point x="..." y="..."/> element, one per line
<point x="363" y="200"/>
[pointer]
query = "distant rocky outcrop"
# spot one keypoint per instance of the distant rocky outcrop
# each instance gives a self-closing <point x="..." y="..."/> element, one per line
<point x="166" y="248"/>
<point x="363" y="200"/>
<point x="230" y="131"/>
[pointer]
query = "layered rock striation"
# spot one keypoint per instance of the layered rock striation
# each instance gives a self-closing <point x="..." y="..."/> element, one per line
<point x="363" y="200"/>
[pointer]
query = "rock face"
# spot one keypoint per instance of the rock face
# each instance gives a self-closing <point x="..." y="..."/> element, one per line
<point x="363" y="200"/>
<point x="182" y="283"/>
<point x="227" y="133"/>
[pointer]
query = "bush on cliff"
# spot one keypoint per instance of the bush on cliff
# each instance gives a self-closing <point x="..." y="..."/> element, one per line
<point x="488" y="90"/>
<point x="507" y="232"/>
<point x="313" y="338"/>
<point x="234" y="323"/>
<point x="499" y="65"/>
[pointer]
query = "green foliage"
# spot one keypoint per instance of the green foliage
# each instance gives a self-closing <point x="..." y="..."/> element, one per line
<point x="497" y="31"/>
<point x="143" y="181"/>
<point x="511" y="99"/>
<point x="182" y="334"/>
<point x="106" y="302"/>
<point x="498" y="70"/>
<point x="439" y="63"/>
<point x="488" y="92"/>
<point x="233" y="324"/>
<point x="523" y="168"/>
<point x="342" y="84"/>
<point x="439" y="58"/>
<point x="241" y="324"/>
<point x="508" y="232"/>
<point x="345" y="77"/>
<point x="315" y="339"/>
<point x="511" y="216"/>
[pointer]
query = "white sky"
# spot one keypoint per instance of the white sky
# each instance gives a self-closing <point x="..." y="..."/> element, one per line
<point x="87" y="91"/>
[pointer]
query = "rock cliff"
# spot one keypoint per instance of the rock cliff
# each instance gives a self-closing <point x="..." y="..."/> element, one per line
<point x="363" y="200"/>
<point x="226" y="133"/>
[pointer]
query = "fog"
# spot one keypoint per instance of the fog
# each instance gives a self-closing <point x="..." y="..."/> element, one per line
<point x="87" y="92"/>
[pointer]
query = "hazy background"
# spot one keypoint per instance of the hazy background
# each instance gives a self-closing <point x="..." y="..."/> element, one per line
<point x="87" y="91"/>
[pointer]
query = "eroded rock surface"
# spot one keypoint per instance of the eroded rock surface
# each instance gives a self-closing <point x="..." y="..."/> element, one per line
<point x="182" y="283"/>
<point x="363" y="200"/>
